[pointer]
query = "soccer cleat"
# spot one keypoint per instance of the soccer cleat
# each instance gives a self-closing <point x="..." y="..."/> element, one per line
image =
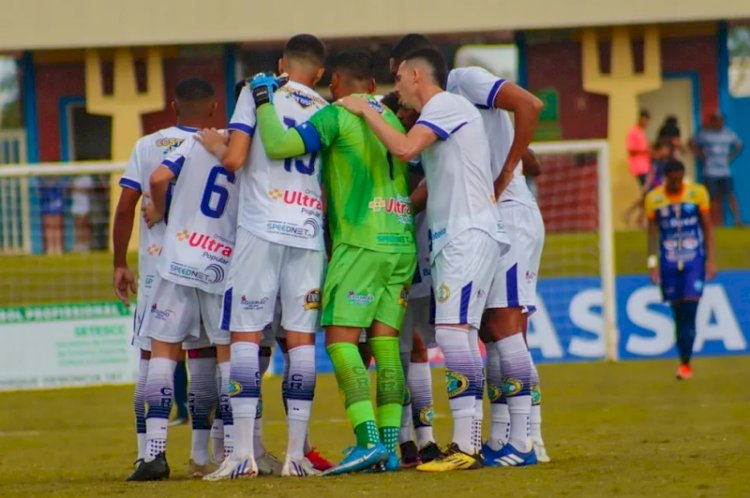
<point x="359" y="459"/>
<point x="298" y="468"/>
<point x="269" y="465"/>
<point x="540" y="452"/>
<point x="684" y="372"/>
<point x="409" y="455"/>
<point x="196" y="470"/>
<point x="511" y="457"/>
<point x="454" y="459"/>
<point x="430" y="452"/>
<point x="154" y="470"/>
<point x="320" y="462"/>
<point x="490" y="456"/>
<point x="234" y="467"/>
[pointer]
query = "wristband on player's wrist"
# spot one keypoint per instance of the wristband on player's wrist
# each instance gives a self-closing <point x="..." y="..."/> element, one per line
<point x="652" y="262"/>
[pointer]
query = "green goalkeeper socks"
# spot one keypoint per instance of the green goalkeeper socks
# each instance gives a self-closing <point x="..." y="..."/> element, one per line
<point x="390" y="386"/>
<point x="354" y="382"/>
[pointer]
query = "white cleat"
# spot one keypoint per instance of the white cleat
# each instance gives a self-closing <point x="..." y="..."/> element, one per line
<point x="234" y="467"/>
<point x="269" y="465"/>
<point x="541" y="452"/>
<point x="298" y="468"/>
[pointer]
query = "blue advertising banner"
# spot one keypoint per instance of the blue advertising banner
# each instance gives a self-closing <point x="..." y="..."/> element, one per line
<point x="568" y="324"/>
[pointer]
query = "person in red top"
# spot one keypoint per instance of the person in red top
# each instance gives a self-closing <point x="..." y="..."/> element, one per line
<point x="639" y="151"/>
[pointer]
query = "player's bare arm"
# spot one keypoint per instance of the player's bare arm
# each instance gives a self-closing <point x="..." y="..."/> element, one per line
<point x="525" y="108"/>
<point x="405" y="147"/>
<point x="231" y="151"/>
<point x="418" y="198"/>
<point x="708" y="234"/>
<point x="123" y="280"/>
<point x="530" y="164"/>
<point x="154" y="210"/>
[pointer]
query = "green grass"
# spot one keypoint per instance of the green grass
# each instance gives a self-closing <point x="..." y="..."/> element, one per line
<point x="80" y="277"/>
<point x="625" y="429"/>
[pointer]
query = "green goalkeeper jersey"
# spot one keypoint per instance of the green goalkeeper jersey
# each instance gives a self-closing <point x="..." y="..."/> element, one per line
<point x="367" y="188"/>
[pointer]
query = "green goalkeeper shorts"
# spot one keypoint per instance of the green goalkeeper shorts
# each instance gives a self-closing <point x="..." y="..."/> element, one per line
<point x="362" y="286"/>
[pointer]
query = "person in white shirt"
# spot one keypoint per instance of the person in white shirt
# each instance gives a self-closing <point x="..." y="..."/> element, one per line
<point x="194" y="105"/>
<point x="466" y="234"/>
<point x="279" y="251"/>
<point x="80" y="195"/>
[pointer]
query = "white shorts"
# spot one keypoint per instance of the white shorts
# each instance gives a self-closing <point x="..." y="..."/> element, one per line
<point x="462" y="274"/>
<point x="274" y="330"/>
<point x="260" y="271"/>
<point x="417" y="317"/>
<point x="516" y="276"/>
<point x="143" y="302"/>
<point x="181" y="314"/>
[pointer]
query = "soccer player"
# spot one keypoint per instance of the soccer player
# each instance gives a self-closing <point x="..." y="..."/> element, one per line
<point x="187" y="294"/>
<point x="373" y="258"/>
<point x="279" y="251"/>
<point x="514" y="290"/>
<point x="417" y="332"/>
<point x="466" y="234"/>
<point x="193" y="106"/>
<point x="679" y="227"/>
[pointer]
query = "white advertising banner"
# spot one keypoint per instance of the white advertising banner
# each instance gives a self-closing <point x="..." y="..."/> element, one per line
<point x="66" y="345"/>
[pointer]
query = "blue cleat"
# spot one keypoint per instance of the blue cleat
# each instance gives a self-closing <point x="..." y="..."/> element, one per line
<point x="511" y="457"/>
<point x="490" y="456"/>
<point x="359" y="459"/>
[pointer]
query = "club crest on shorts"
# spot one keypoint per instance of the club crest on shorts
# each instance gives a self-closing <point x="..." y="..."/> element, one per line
<point x="443" y="293"/>
<point x="407" y="396"/>
<point x="494" y="392"/>
<point x="234" y="387"/>
<point x="426" y="415"/>
<point x="536" y="395"/>
<point x="457" y="383"/>
<point x="511" y="386"/>
<point x="312" y="300"/>
<point x="403" y="298"/>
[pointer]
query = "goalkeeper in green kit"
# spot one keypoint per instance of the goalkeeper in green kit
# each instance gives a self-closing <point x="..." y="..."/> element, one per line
<point x="373" y="255"/>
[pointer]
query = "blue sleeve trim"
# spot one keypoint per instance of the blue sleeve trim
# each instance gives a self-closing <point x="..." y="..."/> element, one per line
<point x="131" y="184"/>
<point x="246" y="129"/>
<point x="459" y="127"/>
<point x="174" y="166"/>
<point x="441" y="133"/>
<point x="493" y="93"/>
<point x="310" y="137"/>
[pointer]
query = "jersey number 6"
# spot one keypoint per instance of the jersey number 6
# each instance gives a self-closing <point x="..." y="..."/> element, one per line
<point x="215" y="196"/>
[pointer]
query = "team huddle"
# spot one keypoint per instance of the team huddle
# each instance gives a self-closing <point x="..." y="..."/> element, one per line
<point x="395" y="224"/>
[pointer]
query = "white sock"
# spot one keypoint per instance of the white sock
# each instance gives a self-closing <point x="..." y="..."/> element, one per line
<point x="139" y="402"/>
<point x="406" y="432"/>
<point x="243" y="412"/>
<point x="459" y="361"/>
<point x="258" y="448"/>
<point x="217" y="440"/>
<point x="500" y="428"/>
<point x="300" y="392"/>
<point x="476" y="428"/>
<point x="519" y="406"/>
<point x="199" y="446"/>
<point x="226" y="406"/>
<point x="203" y="397"/>
<point x="420" y="386"/>
<point x="536" y="424"/>
<point x="160" y="380"/>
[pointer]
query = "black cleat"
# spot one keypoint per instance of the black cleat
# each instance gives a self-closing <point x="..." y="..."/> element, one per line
<point x="409" y="455"/>
<point x="430" y="452"/>
<point x="155" y="470"/>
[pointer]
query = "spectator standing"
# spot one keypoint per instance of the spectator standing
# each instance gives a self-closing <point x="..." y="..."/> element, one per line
<point x="717" y="146"/>
<point x="81" y="189"/>
<point x="639" y="151"/>
<point x="52" y="203"/>
<point x="670" y="132"/>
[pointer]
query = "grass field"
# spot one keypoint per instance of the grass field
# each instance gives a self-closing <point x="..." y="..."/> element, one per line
<point x="79" y="277"/>
<point x="626" y="429"/>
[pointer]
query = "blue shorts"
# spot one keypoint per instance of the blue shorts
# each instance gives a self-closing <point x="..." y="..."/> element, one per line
<point x="682" y="284"/>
